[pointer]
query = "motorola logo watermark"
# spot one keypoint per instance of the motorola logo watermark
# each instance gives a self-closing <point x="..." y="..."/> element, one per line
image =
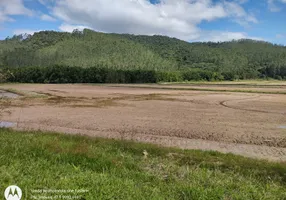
<point x="13" y="192"/>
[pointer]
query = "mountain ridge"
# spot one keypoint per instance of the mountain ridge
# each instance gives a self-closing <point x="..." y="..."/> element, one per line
<point x="243" y="58"/>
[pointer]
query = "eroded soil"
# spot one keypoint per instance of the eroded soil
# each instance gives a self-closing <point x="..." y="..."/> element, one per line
<point x="242" y="123"/>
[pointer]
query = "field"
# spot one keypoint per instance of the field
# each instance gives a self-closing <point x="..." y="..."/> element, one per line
<point x="113" y="169"/>
<point x="222" y="119"/>
<point x="244" y="118"/>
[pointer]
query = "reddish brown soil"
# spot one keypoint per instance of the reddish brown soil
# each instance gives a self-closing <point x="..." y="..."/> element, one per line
<point x="242" y="123"/>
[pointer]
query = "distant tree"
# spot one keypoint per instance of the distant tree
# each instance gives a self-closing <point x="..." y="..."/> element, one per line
<point x="241" y="59"/>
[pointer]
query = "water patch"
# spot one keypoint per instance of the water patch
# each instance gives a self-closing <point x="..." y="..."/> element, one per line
<point x="7" y="124"/>
<point x="8" y="94"/>
<point x="283" y="127"/>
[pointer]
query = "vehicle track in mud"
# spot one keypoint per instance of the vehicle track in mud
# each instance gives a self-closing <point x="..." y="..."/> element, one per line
<point x="224" y="103"/>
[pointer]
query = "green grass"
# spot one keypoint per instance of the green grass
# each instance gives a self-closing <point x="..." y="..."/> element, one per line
<point x="111" y="169"/>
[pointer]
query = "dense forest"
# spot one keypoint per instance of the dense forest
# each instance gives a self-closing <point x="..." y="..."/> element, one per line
<point x="50" y="56"/>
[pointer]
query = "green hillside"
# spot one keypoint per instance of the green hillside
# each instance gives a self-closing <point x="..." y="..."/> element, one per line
<point x="81" y="49"/>
<point x="243" y="59"/>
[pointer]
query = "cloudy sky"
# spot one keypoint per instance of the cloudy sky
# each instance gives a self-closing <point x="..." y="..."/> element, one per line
<point x="190" y="20"/>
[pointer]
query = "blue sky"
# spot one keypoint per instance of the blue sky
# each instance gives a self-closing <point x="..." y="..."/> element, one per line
<point x="190" y="20"/>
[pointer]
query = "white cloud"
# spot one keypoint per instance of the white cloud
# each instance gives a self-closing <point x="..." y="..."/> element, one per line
<point x="272" y="5"/>
<point x="46" y="17"/>
<point x="70" y="27"/>
<point x="9" y="8"/>
<point x="221" y="36"/>
<point x="4" y="17"/>
<point x="238" y="14"/>
<point x="23" y="31"/>
<point x="175" y="18"/>
<point x="47" y="2"/>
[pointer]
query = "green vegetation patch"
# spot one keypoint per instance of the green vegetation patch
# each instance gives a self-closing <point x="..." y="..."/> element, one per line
<point x="234" y="60"/>
<point x="114" y="169"/>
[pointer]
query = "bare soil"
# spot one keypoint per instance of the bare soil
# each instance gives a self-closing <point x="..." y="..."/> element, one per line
<point x="247" y="124"/>
<point x="279" y="87"/>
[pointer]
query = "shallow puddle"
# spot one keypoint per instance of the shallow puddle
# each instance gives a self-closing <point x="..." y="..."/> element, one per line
<point x="8" y="94"/>
<point x="7" y="124"/>
<point x="283" y="127"/>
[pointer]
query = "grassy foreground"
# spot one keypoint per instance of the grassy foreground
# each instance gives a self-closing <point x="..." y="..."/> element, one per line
<point x="110" y="169"/>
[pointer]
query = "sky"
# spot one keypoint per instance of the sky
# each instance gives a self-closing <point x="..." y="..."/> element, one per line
<point x="189" y="20"/>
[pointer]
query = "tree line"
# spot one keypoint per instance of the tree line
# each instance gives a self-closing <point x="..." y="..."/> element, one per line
<point x="168" y="58"/>
<point x="65" y="74"/>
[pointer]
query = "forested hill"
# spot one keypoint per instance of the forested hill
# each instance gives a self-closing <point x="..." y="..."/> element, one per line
<point x="239" y="59"/>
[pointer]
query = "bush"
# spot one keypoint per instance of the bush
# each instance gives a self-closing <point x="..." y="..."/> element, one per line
<point x="201" y="75"/>
<point x="65" y="74"/>
<point x="228" y="76"/>
<point x="278" y="77"/>
<point x="168" y="76"/>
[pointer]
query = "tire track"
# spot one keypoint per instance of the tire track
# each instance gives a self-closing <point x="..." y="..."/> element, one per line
<point x="223" y="103"/>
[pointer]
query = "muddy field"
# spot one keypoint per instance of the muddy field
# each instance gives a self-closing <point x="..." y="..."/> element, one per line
<point x="249" y="124"/>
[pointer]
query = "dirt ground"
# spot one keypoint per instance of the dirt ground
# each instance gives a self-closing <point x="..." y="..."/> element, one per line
<point x="271" y="87"/>
<point x="249" y="124"/>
